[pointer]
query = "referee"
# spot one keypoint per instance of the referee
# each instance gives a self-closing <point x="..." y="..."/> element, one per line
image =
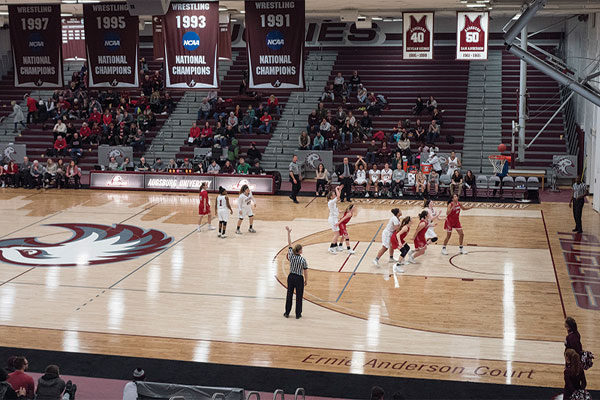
<point x="577" y="202"/>
<point x="295" y="178"/>
<point x="298" y="277"/>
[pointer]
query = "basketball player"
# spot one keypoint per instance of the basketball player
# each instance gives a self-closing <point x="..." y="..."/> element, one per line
<point x="348" y="214"/>
<point x="245" y="204"/>
<point x="453" y="222"/>
<point x="222" y="205"/>
<point x="433" y="215"/>
<point x="386" y="236"/>
<point x="419" y="237"/>
<point x="334" y="214"/>
<point x="204" y="208"/>
<point x="400" y="240"/>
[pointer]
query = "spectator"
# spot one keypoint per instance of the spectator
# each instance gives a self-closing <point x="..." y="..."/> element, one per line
<point x="313" y="122"/>
<point x="398" y="177"/>
<point x="126" y="165"/>
<point x="167" y="104"/>
<point x="345" y="172"/>
<point x="247" y="123"/>
<point x="61" y="168"/>
<point x="50" y="385"/>
<point x="339" y="118"/>
<point x="347" y="130"/>
<point x="332" y="138"/>
<point x="242" y="167"/>
<point x="32" y="109"/>
<point x="372" y="150"/>
<point x="265" y="126"/>
<point x="60" y="147"/>
<point x="437" y="116"/>
<point x="251" y="112"/>
<point x="353" y="82"/>
<point x="304" y="141"/>
<point x="433" y="132"/>
<point x="19" y="379"/>
<point x="471" y="183"/>
<point x="206" y="136"/>
<point x="321" y="111"/>
<point x="106" y="120"/>
<point x="24" y="175"/>
<point x="325" y="126"/>
<point x="386" y="179"/>
<point x="350" y="118"/>
<point x="273" y="105"/>
<point x="366" y="122"/>
<point x="130" y="390"/>
<point x="59" y="129"/>
<point x="318" y="142"/>
<point x="420" y="180"/>
<point x="328" y="93"/>
<point x="186" y="166"/>
<point x="257" y="169"/>
<point x="219" y="136"/>
<point x="37" y="173"/>
<point x="374" y="178"/>
<point x="220" y="110"/>
<point x="228" y="168"/>
<point x="194" y="137"/>
<point x="360" y="175"/>
<point x="404" y="145"/>
<point x="143" y="165"/>
<point x="6" y="390"/>
<point x="322" y="177"/>
<point x="431" y="104"/>
<point x="253" y="154"/>
<point x="49" y="173"/>
<point x="434" y="160"/>
<point x="419" y="132"/>
<point x="213" y="167"/>
<point x="155" y="102"/>
<point x="75" y="148"/>
<point x="212" y="97"/>
<point x="138" y="142"/>
<point x="42" y="112"/>
<point x="453" y="163"/>
<point x="244" y="84"/>
<point x="384" y="152"/>
<point x="73" y="174"/>
<point x="456" y="184"/>
<point x="95" y="116"/>
<point x="233" y="121"/>
<point x="12" y="174"/>
<point x="419" y="106"/>
<point x="85" y="133"/>
<point x="18" y="115"/>
<point x="204" y="110"/>
<point x="113" y="165"/>
<point x="433" y="181"/>
<point x="147" y="85"/>
<point x="233" y="151"/>
<point x="362" y="93"/>
<point x="338" y="84"/>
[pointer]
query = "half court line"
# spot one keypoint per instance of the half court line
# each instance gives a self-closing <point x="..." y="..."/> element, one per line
<point x="359" y="261"/>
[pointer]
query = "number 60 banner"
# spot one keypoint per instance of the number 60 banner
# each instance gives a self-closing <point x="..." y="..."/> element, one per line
<point x="472" y="35"/>
<point x="35" y="38"/>
<point x="417" y="42"/>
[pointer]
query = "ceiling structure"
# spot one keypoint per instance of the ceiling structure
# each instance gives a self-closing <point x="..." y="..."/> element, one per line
<point x="378" y="8"/>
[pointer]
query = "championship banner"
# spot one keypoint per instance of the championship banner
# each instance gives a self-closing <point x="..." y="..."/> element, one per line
<point x="111" y="45"/>
<point x="35" y="42"/>
<point x="158" y="39"/>
<point x="275" y="42"/>
<point x="224" y="41"/>
<point x="417" y="42"/>
<point x="472" y="35"/>
<point x="191" y="31"/>
<point x="73" y="39"/>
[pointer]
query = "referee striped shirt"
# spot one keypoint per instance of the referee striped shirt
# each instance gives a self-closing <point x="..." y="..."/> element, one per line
<point x="578" y="190"/>
<point x="297" y="263"/>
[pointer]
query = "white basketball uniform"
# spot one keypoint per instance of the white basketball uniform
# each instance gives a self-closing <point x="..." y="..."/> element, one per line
<point x="431" y="214"/>
<point x="390" y="229"/>
<point x="386" y="176"/>
<point x="452" y="165"/>
<point x="374" y="175"/>
<point x="222" y="210"/>
<point x="245" y="205"/>
<point x="334" y="214"/>
<point x="361" y="176"/>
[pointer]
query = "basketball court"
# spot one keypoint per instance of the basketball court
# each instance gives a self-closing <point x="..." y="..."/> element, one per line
<point x="138" y="280"/>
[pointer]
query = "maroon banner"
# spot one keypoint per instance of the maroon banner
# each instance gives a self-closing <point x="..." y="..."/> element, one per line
<point x="224" y="42"/>
<point x="275" y="43"/>
<point x="191" y="32"/>
<point x="472" y="35"/>
<point x="417" y="31"/>
<point x="35" y="43"/>
<point x="158" y="39"/>
<point x="73" y="39"/>
<point x="112" y="40"/>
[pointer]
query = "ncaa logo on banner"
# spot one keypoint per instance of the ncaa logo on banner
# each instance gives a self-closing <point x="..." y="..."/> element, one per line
<point x="191" y="41"/>
<point x="275" y="40"/>
<point x="36" y="42"/>
<point x="112" y="41"/>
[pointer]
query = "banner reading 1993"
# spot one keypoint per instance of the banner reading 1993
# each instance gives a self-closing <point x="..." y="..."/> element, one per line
<point x="35" y="38"/>
<point x="417" y="40"/>
<point x="191" y="31"/>
<point x="111" y="45"/>
<point x="275" y="41"/>
<point x="472" y="35"/>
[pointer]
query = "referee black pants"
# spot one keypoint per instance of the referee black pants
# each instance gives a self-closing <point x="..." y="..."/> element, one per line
<point x="294" y="281"/>
<point x="295" y="187"/>
<point x="577" y="212"/>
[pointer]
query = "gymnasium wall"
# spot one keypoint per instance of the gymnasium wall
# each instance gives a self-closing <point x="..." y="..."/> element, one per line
<point x="582" y="47"/>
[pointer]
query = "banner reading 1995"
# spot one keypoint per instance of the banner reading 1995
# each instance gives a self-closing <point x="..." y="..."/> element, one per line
<point x="111" y="45"/>
<point x="191" y="31"/>
<point x="275" y="41"/>
<point x="417" y="40"/>
<point x="35" y="38"/>
<point x="472" y="35"/>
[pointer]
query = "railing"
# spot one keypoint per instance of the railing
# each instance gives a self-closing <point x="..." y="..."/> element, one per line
<point x="570" y="124"/>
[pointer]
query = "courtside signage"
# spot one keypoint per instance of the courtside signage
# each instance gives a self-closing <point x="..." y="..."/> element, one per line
<point x="417" y="29"/>
<point x="472" y="35"/>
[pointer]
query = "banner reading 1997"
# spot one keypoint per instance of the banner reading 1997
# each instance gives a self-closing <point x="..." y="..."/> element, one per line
<point x="191" y="31"/>
<point x="275" y="41"/>
<point x="472" y="35"/>
<point x="35" y="38"/>
<point x="111" y="45"/>
<point x="417" y="40"/>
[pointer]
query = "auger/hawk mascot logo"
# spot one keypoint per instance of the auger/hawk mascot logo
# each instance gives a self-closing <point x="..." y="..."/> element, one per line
<point x="90" y="244"/>
<point x="564" y="166"/>
<point x="313" y="160"/>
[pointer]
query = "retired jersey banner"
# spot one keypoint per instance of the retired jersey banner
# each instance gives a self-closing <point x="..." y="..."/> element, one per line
<point x="112" y="37"/>
<point x="275" y="43"/>
<point x="417" y="41"/>
<point x="158" y="39"/>
<point x="35" y="42"/>
<point x="191" y="31"/>
<point x="73" y="39"/>
<point x="224" y="41"/>
<point x="472" y="35"/>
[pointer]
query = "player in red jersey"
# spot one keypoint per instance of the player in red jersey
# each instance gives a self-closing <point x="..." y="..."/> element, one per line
<point x="348" y="214"/>
<point x="419" y="237"/>
<point x="399" y="241"/>
<point x="453" y="222"/>
<point x="204" y="208"/>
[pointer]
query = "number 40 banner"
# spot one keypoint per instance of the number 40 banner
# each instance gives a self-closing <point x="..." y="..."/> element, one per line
<point x="472" y="35"/>
<point x="417" y="42"/>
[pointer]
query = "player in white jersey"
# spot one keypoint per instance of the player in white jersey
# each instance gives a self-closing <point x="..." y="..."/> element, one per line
<point x="386" y="179"/>
<point x="374" y="175"/>
<point x="433" y="215"/>
<point x="245" y="204"/>
<point x="386" y="236"/>
<point x="223" y="209"/>
<point x="334" y="214"/>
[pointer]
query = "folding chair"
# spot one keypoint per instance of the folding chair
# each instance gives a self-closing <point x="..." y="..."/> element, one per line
<point x="445" y="181"/>
<point x="494" y="186"/>
<point x="508" y="187"/>
<point x="520" y="186"/>
<point x="533" y="183"/>
<point x="481" y="183"/>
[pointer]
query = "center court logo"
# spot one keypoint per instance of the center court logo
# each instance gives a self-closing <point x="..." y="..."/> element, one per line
<point x="275" y="40"/>
<point x="112" y="41"/>
<point x="191" y="41"/>
<point x="90" y="244"/>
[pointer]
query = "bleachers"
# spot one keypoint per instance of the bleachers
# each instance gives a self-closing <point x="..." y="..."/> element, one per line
<point x="383" y="71"/>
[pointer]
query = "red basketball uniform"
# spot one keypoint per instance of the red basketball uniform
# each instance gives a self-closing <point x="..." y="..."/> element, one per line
<point x="420" y="241"/>
<point x="342" y="226"/>
<point x="452" y="219"/>
<point x="202" y="210"/>
<point x="394" y="240"/>
<point x="403" y="236"/>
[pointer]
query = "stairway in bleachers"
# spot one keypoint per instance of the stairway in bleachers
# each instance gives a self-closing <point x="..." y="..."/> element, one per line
<point x="483" y="75"/>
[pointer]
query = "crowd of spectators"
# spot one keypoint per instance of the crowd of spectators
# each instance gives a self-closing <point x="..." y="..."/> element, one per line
<point x="16" y="383"/>
<point x="34" y="174"/>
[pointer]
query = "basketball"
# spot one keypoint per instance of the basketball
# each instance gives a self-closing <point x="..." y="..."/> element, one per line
<point x="501" y="147"/>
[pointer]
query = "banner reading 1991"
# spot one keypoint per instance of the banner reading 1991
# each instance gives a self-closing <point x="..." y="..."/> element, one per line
<point x="191" y="31"/>
<point x="35" y="38"/>
<point x="275" y="41"/>
<point x="472" y="35"/>
<point x="111" y="41"/>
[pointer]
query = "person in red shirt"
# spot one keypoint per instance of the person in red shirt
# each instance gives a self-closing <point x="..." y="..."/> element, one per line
<point x="12" y="172"/>
<point x="19" y="379"/>
<point x="95" y="116"/>
<point x="106" y="120"/>
<point x="85" y="133"/>
<point x="60" y="147"/>
<point x="273" y="104"/>
<point x="206" y="138"/>
<point x="194" y="134"/>
<point x="265" y="127"/>
<point x="32" y="110"/>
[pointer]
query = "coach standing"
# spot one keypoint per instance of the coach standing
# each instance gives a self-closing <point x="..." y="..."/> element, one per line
<point x="345" y="172"/>
<point x="577" y="202"/>
<point x="295" y="178"/>
<point x="298" y="277"/>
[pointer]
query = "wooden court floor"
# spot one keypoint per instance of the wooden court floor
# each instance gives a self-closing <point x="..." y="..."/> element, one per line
<point x="137" y="279"/>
